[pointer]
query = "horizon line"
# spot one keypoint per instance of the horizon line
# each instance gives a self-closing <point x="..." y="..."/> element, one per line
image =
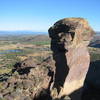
<point x="30" y="31"/>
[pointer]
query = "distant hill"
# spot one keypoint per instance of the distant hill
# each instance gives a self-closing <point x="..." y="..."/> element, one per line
<point x="3" y="33"/>
<point x="25" y="38"/>
<point x="35" y="38"/>
<point x="95" y="42"/>
<point x="39" y="38"/>
<point x="29" y="36"/>
<point x="98" y="33"/>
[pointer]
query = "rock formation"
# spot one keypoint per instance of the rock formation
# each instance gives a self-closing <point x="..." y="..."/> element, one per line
<point x="29" y="81"/>
<point x="69" y="40"/>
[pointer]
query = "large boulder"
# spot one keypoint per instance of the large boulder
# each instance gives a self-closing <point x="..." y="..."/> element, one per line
<point x="69" y="40"/>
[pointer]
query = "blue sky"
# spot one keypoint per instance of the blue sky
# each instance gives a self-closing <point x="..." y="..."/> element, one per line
<point x="39" y="15"/>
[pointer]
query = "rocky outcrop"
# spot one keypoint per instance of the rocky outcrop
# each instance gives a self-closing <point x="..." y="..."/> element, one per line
<point x="69" y="40"/>
<point x="29" y="81"/>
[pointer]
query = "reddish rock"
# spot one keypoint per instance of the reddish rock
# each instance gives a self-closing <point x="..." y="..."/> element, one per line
<point x="69" y="40"/>
<point x="24" y="85"/>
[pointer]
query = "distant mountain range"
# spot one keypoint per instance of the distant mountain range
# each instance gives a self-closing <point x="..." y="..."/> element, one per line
<point x="20" y="32"/>
<point x="98" y="33"/>
<point x="25" y="32"/>
<point x="95" y="42"/>
<point x="29" y="36"/>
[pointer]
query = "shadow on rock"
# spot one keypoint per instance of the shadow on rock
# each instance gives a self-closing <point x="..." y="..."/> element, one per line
<point x="43" y="95"/>
<point x="4" y="77"/>
<point x="91" y="89"/>
<point x="61" y="70"/>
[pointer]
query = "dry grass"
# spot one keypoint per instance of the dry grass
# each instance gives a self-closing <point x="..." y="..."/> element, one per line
<point x="6" y="70"/>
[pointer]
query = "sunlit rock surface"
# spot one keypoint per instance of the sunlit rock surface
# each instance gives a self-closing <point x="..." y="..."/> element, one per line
<point x="69" y="40"/>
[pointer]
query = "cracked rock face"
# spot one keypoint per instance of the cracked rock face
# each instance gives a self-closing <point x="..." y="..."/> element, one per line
<point x="69" y="38"/>
<point x="28" y="81"/>
<point x="70" y="32"/>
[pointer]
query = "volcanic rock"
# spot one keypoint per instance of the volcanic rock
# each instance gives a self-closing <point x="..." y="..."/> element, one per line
<point x="69" y="40"/>
<point x="28" y="85"/>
